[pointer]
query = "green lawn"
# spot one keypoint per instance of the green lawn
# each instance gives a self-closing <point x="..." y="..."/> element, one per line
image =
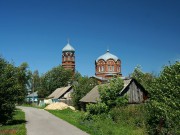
<point x="99" y="125"/>
<point x="16" y="126"/>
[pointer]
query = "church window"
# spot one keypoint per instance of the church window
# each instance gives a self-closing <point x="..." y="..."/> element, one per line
<point x="99" y="69"/>
<point x="68" y="58"/>
<point x="109" y="68"/>
<point x="102" y="69"/>
<point x="112" y="68"/>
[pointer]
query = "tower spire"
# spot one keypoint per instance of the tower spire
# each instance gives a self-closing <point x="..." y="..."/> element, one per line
<point x="107" y="48"/>
<point x="68" y="40"/>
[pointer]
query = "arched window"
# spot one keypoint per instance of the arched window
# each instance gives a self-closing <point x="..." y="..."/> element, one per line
<point x="112" y="68"/>
<point x="109" y="68"/>
<point x="99" y="69"/>
<point x="102" y="68"/>
<point x="68" y="58"/>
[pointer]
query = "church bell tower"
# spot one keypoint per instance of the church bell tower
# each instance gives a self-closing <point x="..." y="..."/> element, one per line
<point x="68" y="57"/>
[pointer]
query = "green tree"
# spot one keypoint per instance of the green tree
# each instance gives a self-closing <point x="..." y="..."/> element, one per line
<point x="35" y="81"/>
<point x="110" y="98"/>
<point x="53" y="79"/>
<point x="109" y="93"/>
<point x="145" y="79"/>
<point x="163" y="107"/>
<point x="13" y="81"/>
<point x="81" y="88"/>
<point x="23" y="76"/>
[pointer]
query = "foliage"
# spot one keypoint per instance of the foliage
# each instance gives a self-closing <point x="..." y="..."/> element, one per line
<point x="81" y="88"/>
<point x="55" y="78"/>
<point x="23" y="76"/>
<point x="163" y="108"/>
<point x="12" y="88"/>
<point x="76" y="76"/>
<point x="35" y="81"/>
<point x="16" y="125"/>
<point x="109" y="93"/>
<point x="129" y="115"/>
<point x="145" y="79"/>
<point x="96" y="109"/>
<point x="99" y="124"/>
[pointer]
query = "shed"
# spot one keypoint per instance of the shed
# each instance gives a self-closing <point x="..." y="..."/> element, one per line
<point x="33" y="97"/>
<point x="134" y="90"/>
<point x="62" y="94"/>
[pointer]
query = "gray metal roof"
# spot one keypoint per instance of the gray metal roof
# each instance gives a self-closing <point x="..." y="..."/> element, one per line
<point x="107" y="56"/>
<point x="93" y="96"/>
<point x="59" y="92"/>
<point x="34" y="94"/>
<point x="67" y="48"/>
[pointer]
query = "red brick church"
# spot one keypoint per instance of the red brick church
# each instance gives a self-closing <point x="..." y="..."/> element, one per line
<point x="106" y="66"/>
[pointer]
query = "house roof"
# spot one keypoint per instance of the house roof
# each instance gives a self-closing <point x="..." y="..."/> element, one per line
<point x="93" y="96"/>
<point x="59" y="92"/>
<point x="34" y="94"/>
<point x="99" y="78"/>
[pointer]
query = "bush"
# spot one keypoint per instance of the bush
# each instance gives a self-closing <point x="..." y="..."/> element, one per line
<point x="96" y="109"/>
<point x="163" y="114"/>
<point x="109" y="93"/>
<point x="129" y="115"/>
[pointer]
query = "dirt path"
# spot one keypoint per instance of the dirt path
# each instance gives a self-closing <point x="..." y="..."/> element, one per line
<point x="41" y="122"/>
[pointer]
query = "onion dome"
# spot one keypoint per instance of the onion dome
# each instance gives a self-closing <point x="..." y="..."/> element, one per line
<point x="68" y="48"/>
<point x="107" y="56"/>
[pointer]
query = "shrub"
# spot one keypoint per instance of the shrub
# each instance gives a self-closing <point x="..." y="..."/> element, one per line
<point x="96" y="109"/>
<point x="129" y="115"/>
<point x="163" y="114"/>
<point x="109" y="93"/>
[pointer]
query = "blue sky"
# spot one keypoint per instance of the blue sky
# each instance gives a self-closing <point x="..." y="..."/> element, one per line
<point x="139" y="32"/>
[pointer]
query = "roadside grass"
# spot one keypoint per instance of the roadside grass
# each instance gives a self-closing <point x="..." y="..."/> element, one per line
<point x="99" y="124"/>
<point x="71" y="117"/>
<point x="33" y="105"/>
<point x="16" y="126"/>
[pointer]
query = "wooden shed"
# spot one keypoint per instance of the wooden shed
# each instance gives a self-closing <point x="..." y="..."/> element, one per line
<point x="62" y="94"/>
<point x="134" y="90"/>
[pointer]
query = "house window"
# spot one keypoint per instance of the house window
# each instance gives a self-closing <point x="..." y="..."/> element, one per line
<point x="112" y="68"/>
<point x="64" y="58"/>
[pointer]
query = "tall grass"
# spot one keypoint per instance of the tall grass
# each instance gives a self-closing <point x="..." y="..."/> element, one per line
<point x="127" y="120"/>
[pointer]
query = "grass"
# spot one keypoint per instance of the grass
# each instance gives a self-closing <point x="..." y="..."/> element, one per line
<point x="33" y="105"/>
<point x="71" y="117"/>
<point x="100" y="124"/>
<point x="16" y="126"/>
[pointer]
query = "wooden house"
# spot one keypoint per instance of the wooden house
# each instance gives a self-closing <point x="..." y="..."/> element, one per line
<point x="134" y="91"/>
<point x="62" y="94"/>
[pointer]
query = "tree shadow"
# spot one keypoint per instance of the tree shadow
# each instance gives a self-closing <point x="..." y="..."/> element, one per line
<point x="16" y="122"/>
